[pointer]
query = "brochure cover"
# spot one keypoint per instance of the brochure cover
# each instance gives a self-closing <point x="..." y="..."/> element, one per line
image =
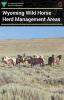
<point x="31" y="63"/>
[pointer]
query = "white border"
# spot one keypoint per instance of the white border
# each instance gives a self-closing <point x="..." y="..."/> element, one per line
<point x="30" y="24"/>
<point x="32" y="8"/>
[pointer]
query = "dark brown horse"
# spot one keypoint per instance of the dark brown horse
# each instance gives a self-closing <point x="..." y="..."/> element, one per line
<point x="51" y="60"/>
<point x="59" y="56"/>
<point x="34" y="61"/>
<point x="19" y="59"/>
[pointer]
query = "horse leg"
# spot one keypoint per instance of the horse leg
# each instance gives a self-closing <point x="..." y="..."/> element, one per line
<point x="31" y="64"/>
<point x="19" y="65"/>
<point x="43" y="64"/>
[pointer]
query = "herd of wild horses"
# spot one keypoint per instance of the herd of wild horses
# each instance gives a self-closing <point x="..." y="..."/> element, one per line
<point x="32" y="60"/>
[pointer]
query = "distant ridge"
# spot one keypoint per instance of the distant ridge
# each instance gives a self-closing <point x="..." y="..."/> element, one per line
<point x="30" y="39"/>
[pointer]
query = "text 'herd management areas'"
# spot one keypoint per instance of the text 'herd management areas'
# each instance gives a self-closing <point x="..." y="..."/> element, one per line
<point x="30" y="16"/>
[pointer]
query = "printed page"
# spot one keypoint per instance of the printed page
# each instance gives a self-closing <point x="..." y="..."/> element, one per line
<point x="32" y="50"/>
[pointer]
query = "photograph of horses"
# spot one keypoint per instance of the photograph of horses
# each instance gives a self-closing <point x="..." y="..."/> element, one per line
<point x="32" y="63"/>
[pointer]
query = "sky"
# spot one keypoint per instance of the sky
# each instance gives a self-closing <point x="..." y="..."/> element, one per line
<point x="29" y="32"/>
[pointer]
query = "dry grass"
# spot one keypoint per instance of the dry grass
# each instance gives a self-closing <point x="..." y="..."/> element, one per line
<point x="36" y="83"/>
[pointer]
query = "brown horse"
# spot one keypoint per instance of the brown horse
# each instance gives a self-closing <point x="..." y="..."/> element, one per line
<point x="19" y="59"/>
<point x="51" y="60"/>
<point x="34" y="60"/>
<point x="27" y="60"/>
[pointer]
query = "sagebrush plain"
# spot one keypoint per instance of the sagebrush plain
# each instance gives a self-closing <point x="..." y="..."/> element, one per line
<point x="32" y="83"/>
